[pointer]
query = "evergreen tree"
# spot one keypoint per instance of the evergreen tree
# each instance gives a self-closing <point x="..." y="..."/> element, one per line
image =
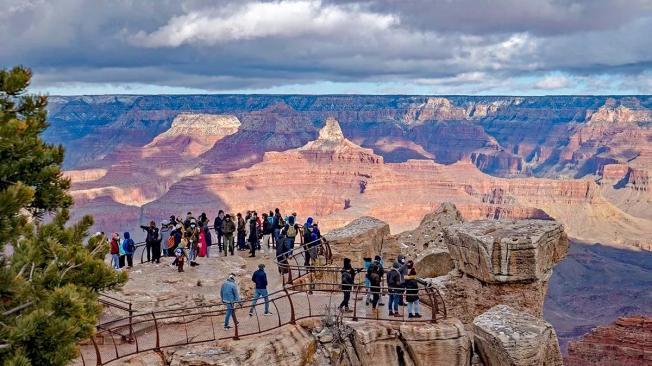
<point x="50" y="273"/>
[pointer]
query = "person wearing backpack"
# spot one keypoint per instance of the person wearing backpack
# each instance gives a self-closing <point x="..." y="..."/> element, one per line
<point x="129" y="248"/>
<point x="348" y="275"/>
<point x="307" y="242"/>
<point x="394" y="289"/>
<point x="279" y="224"/>
<point x="291" y="229"/>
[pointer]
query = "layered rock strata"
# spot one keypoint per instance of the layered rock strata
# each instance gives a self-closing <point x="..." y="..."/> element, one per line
<point x="628" y="341"/>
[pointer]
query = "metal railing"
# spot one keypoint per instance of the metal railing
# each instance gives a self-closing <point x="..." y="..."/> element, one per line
<point x="308" y="292"/>
<point x="191" y="325"/>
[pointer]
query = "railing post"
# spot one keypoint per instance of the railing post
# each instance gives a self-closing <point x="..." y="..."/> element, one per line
<point x="236" y="336"/>
<point x="289" y="268"/>
<point x="158" y="339"/>
<point x="131" y="329"/>
<point x="292" y="315"/>
<point x="355" y="303"/>
<point x="434" y="309"/>
<point x="98" y="355"/>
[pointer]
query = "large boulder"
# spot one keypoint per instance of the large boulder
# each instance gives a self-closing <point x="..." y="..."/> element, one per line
<point x="507" y="337"/>
<point x="433" y="262"/>
<point x="363" y="237"/>
<point x="507" y="251"/>
<point x="389" y="343"/>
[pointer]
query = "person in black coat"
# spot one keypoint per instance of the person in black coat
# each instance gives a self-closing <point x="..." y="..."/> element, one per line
<point x="348" y="279"/>
<point x="151" y="240"/>
<point x="217" y="226"/>
<point x="412" y="293"/>
<point x="253" y="235"/>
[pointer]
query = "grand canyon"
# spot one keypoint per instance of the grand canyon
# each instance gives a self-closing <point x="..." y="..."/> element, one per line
<point x="582" y="161"/>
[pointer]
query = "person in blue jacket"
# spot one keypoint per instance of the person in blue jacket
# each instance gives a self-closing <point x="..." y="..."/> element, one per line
<point x="129" y="247"/>
<point x="230" y="296"/>
<point x="260" y="279"/>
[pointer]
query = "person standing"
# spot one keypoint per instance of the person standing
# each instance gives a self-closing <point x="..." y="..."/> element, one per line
<point x="230" y="296"/>
<point x="307" y="242"/>
<point x="348" y="275"/>
<point x="260" y="280"/>
<point x="152" y="237"/>
<point x="253" y="235"/>
<point x="164" y="232"/>
<point x="403" y="270"/>
<point x="208" y="238"/>
<point x="242" y="231"/>
<point x="375" y="275"/>
<point x="279" y="224"/>
<point x="156" y="246"/>
<point x="228" y="228"/>
<point x="217" y="226"/>
<point x="412" y="292"/>
<point x="129" y="248"/>
<point x="291" y="230"/>
<point x="115" y="251"/>
<point x="394" y="289"/>
<point x="268" y="230"/>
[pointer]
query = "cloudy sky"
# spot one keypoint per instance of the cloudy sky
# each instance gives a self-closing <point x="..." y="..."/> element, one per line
<point x="331" y="46"/>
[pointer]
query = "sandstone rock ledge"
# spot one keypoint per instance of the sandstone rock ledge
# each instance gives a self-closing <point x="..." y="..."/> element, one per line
<point x="507" y="251"/>
<point x="504" y="336"/>
<point x="363" y="237"/>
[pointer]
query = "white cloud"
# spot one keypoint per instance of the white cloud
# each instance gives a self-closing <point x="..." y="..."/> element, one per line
<point x="553" y="82"/>
<point x="257" y="20"/>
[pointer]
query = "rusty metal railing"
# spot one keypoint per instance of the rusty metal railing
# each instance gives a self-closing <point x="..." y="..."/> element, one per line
<point x="191" y="325"/>
<point x="308" y="292"/>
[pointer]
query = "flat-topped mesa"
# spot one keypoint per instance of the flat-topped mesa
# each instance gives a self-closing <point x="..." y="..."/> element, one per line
<point x="507" y="251"/>
<point x="333" y="146"/>
<point x="193" y="134"/>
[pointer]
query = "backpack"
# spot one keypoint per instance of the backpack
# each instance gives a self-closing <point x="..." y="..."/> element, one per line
<point x="131" y="247"/>
<point x="280" y="223"/>
<point x="374" y="278"/>
<point x="291" y="232"/>
<point x="171" y="242"/>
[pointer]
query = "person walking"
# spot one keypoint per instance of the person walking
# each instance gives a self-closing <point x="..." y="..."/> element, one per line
<point x="129" y="248"/>
<point x="394" y="289"/>
<point x="230" y="297"/>
<point x="348" y="275"/>
<point x="412" y="292"/>
<point x="152" y="237"/>
<point x="217" y="226"/>
<point x="228" y="228"/>
<point x="260" y="280"/>
<point x="115" y="251"/>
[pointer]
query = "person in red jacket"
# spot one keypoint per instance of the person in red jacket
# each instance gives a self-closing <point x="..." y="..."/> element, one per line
<point x="115" y="251"/>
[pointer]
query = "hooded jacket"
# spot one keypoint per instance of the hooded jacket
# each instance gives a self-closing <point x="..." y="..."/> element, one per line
<point x="228" y="227"/>
<point x="402" y="267"/>
<point x="127" y="243"/>
<point x="412" y="289"/>
<point x="394" y="277"/>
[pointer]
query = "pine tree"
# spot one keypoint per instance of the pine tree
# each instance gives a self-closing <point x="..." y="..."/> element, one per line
<point x="50" y="273"/>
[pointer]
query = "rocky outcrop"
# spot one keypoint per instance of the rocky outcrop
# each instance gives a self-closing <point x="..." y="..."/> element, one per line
<point x="444" y="343"/>
<point x="628" y="341"/>
<point x="500" y="262"/>
<point x="507" y="252"/>
<point x="363" y="237"/>
<point x="504" y="336"/>
<point x="425" y="244"/>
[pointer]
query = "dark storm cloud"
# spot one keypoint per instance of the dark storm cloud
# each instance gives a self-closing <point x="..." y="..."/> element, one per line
<point x="230" y="45"/>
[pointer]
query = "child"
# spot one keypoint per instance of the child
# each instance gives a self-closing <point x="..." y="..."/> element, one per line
<point x="412" y="292"/>
<point x="180" y="255"/>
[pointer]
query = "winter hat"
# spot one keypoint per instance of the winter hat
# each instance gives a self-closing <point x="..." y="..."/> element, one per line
<point x="261" y="266"/>
<point x="377" y="258"/>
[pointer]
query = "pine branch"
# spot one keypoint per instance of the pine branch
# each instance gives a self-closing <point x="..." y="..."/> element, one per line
<point x="17" y="308"/>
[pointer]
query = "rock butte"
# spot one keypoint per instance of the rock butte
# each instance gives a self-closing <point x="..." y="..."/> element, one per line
<point x="332" y="173"/>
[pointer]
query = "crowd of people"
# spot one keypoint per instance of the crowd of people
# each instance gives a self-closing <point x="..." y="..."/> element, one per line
<point x="190" y="238"/>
